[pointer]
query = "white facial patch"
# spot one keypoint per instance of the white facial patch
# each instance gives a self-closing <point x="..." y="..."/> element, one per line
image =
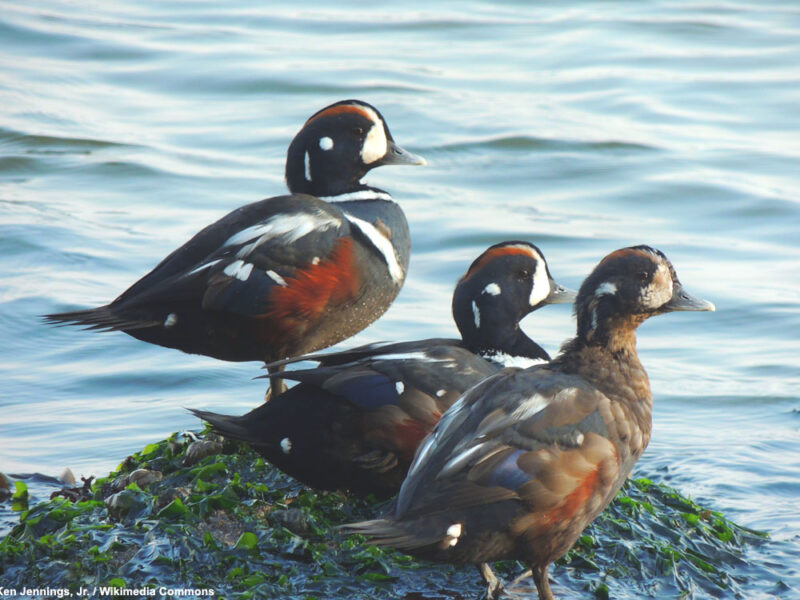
<point x="660" y="289"/>
<point x="286" y="445"/>
<point x="541" y="284"/>
<point x="605" y="288"/>
<point x="375" y="144"/>
<point x="325" y="143"/>
<point x="476" y="312"/>
<point x="400" y="387"/>
<point x="440" y="393"/>
<point x="171" y="320"/>
<point x="239" y="269"/>
<point x="492" y="289"/>
<point x="382" y="244"/>
<point x="315" y="260"/>
<point x="307" y="164"/>
<point x="276" y="278"/>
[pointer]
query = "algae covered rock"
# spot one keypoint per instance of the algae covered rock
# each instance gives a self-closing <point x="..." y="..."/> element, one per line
<point x="232" y="525"/>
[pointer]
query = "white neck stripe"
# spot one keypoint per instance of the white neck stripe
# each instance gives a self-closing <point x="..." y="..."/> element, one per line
<point x="359" y="195"/>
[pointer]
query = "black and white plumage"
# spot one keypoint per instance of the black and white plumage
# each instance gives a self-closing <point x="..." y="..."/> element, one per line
<point x="526" y="459"/>
<point x="355" y="421"/>
<point x="288" y="274"/>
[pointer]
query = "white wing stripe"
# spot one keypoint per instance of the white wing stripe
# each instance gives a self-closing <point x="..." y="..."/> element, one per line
<point x="289" y="228"/>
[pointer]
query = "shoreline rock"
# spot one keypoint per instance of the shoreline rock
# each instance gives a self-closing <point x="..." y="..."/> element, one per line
<point x="233" y="524"/>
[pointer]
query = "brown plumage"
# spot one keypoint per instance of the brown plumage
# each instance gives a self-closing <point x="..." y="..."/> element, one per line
<point x="525" y="460"/>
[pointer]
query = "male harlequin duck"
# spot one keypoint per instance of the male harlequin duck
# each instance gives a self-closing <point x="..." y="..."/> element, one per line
<point x="523" y="461"/>
<point x="355" y="421"/>
<point x="289" y="274"/>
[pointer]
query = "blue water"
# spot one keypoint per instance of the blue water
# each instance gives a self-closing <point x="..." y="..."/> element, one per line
<point x="125" y="127"/>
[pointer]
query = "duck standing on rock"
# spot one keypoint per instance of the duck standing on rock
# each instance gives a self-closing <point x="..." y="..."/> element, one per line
<point x="289" y="274"/>
<point x="355" y="421"/>
<point x="525" y="460"/>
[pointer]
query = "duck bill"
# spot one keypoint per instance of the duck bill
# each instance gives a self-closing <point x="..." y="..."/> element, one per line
<point x="560" y="294"/>
<point x="395" y="155"/>
<point x="683" y="300"/>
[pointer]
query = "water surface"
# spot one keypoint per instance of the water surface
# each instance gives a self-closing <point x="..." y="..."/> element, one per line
<point x="580" y="126"/>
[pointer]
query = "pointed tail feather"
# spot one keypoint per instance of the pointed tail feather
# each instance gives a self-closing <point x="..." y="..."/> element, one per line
<point x="227" y="426"/>
<point x="384" y="532"/>
<point x="101" y="318"/>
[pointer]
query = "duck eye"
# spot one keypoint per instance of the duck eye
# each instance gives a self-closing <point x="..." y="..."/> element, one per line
<point x="358" y="131"/>
<point x="523" y="274"/>
<point x="643" y="276"/>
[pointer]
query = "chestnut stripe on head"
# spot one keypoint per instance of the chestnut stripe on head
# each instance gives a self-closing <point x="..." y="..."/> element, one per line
<point x="497" y="252"/>
<point x="634" y="251"/>
<point x="339" y="109"/>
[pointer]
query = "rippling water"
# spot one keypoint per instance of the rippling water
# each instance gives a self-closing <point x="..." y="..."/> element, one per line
<point x="581" y="126"/>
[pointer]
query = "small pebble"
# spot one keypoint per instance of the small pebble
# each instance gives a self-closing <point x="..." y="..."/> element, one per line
<point x="198" y="450"/>
<point x="141" y="477"/>
<point x="293" y="519"/>
<point x="66" y="477"/>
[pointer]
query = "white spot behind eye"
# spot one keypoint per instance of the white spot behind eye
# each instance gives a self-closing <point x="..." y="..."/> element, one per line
<point x="492" y="289"/>
<point x="399" y="386"/>
<point x="440" y="393"/>
<point x="315" y="260"/>
<point x="171" y="319"/>
<point x="579" y="439"/>
<point x="375" y="144"/>
<point x="307" y="164"/>
<point x="325" y="143"/>
<point x="605" y="288"/>
<point x="286" y="445"/>
<point x="477" y="313"/>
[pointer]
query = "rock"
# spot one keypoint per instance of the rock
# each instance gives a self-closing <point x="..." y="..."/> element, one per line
<point x="198" y="450"/>
<point x="66" y="477"/>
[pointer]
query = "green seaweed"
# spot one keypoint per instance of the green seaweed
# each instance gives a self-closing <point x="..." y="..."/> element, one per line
<point x="233" y="523"/>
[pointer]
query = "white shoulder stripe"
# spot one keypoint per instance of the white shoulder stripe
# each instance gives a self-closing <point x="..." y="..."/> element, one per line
<point x="383" y="245"/>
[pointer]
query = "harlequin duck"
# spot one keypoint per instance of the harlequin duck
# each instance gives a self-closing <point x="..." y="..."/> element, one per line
<point x="523" y="461"/>
<point x="355" y="421"/>
<point x="289" y="274"/>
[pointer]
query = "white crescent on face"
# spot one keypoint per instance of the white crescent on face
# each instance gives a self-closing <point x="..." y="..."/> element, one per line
<point x="541" y="282"/>
<point x="375" y="144"/>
